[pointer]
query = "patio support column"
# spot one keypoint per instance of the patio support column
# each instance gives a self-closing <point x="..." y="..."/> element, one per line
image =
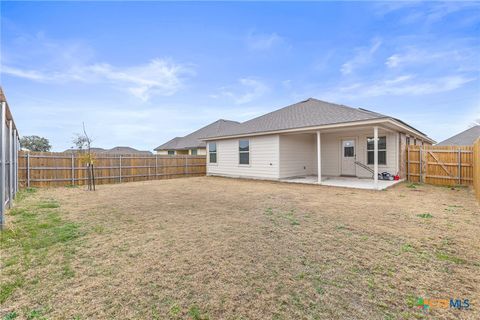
<point x="375" y="156"/>
<point x="319" y="158"/>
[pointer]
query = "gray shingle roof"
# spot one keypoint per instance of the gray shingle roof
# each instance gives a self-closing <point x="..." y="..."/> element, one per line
<point x="308" y="113"/>
<point x="465" y="138"/>
<point x="115" y="150"/>
<point x="127" y="150"/>
<point x="194" y="139"/>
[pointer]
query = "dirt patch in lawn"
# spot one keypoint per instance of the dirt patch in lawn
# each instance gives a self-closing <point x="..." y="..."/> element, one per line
<point x="215" y="248"/>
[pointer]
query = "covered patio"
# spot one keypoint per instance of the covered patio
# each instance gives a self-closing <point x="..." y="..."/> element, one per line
<point x="349" y="157"/>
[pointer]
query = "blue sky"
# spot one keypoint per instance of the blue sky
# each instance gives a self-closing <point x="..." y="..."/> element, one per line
<point x="139" y="74"/>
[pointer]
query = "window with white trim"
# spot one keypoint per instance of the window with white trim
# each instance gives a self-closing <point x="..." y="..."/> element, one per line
<point x="171" y="152"/>
<point x="212" y="152"/>
<point x="244" y="152"/>
<point x="382" y="150"/>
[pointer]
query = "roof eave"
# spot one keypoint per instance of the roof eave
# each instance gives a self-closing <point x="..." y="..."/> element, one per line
<point x="328" y="126"/>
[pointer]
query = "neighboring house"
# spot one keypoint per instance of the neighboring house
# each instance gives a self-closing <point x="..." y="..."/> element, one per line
<point x="115" y="150"/>
<point x="93" y="150"/>
<point x="128" y="150"/>
<point x="193" y="144"/>
<point x="465" y="138"/>
<point x="302" y="138"/>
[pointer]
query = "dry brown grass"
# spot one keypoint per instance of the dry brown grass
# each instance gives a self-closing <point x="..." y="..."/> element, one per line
<point x="239" y="249"/>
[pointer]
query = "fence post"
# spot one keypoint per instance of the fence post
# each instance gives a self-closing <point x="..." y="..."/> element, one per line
<point x="73" y="170"/>
<point x="408" y="164"/>
<point x="10" y="164"/>
<point x="156" y="166"/>
<point x="120" y="169"/>
<point x="421" y="164"/>
<point x="149" y="171"/>
<point x="2" y="164"/>
<point x="28" y="169"/>
<point x="15" y="152"/>
<point x="459" y="166"/>
<point x="186" y="165"/>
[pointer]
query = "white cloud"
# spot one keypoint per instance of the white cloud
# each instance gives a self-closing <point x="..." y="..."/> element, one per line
<point x="158" y="77"/>
<point x="363" y="56"/>
<point x="263" y="41"/>
<point x="406" y="85"/>
<point x="39" y="58"/>
<point x="430" y="12"/>
<point x="413" y="55"/>
<point x="248" y="90"/>
<point x="26" y="74"/>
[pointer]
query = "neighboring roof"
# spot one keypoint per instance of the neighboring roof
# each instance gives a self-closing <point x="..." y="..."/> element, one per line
<point x="194" y="139"/>
<point x="465" y="138"/>
<point x="95" y="150"/>
<point x="115" y="150"/>
<point x="308" y="113"/>
<point x="169" y="145"/>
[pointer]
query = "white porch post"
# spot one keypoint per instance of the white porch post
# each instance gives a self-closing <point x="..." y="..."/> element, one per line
<point x="375" y="156"/>
<point x="319" y="158"/>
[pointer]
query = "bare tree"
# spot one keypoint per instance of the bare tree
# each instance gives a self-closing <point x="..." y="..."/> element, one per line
<point x="83" y="142"/>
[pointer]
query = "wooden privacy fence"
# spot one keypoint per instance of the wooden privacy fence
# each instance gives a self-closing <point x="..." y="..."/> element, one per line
<point x="476" y="168"/>
<point x="441" y="165"/>
<point x="42" y="169"/>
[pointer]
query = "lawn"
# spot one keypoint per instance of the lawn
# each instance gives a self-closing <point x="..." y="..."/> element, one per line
<point x="215" y="248"/>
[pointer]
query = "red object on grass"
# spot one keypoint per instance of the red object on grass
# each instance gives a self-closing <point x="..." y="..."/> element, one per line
<point x="397" y="177"/>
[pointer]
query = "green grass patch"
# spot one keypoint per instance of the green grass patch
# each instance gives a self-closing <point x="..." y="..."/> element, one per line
<point x="269" y="211"/>
<point x="412" y="185"/>
<point x="443" y="256"/>
<point x="10" y="316"/>
<point x="407" y="248"/>
<point x="175" y="310"/>
<point x="50" y="204"/>
<point x="23" y="193"/>
<point x="6" y="289"/>
<point x="425" y="215"/>
<point x="37" y="227"/>
<point x="195" y="313"/>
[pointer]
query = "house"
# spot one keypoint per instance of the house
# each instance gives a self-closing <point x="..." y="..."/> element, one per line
<point x="316" y="139"/>
<point x="465" y="138"/>
<point x="193" y="144"/>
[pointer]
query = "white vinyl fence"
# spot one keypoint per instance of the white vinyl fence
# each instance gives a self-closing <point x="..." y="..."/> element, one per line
<point x="9" y="147"/>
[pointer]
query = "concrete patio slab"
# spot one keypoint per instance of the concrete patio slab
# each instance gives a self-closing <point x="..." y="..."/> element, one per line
<point x="345" y="182"/>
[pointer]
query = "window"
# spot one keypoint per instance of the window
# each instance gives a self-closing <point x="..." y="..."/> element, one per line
<point x="382" y="150"/>
<point x="212" y="152"/>
<point x="408" y="141"/>
<point x="348" y="149"/>
<point x="194" y="152"/>
<point x="244" y="151"/>
<point x="171" y="152"/>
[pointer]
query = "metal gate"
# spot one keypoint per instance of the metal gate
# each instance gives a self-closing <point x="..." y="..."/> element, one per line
<point x="9" y="147"/>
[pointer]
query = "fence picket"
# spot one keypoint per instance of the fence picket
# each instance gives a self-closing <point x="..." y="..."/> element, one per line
<point x="441" y="165"/>
<point x="38" y="169"/>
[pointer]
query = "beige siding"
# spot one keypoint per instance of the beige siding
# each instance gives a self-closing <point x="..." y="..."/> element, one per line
<point x="298" y="155"/>
<point x="264" y="152"/>
<point x="201" y="152"/>
<point x="162" y="152"/>
<point x="331" y="152"/>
